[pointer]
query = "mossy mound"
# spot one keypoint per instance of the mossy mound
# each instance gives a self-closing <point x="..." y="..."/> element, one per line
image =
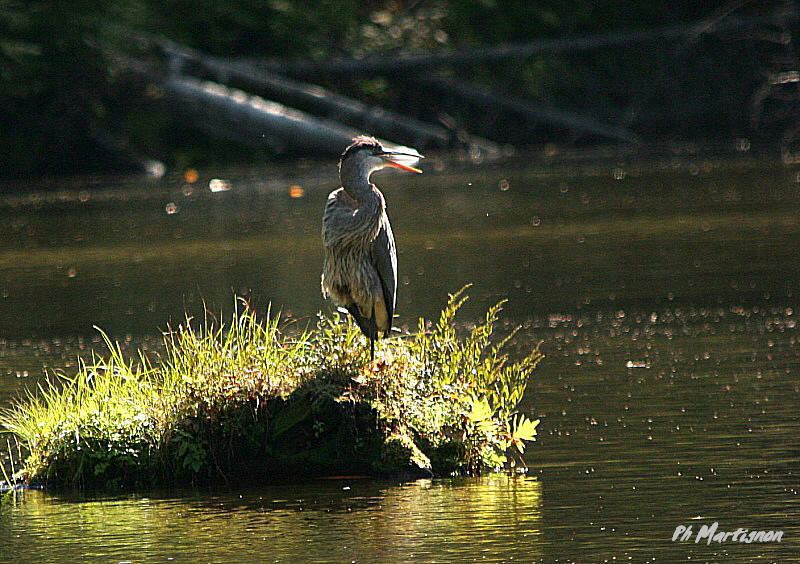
<point x="247" y="403"/>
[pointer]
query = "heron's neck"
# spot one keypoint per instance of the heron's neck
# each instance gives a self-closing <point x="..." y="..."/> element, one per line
<point x="355" y="181"/>
<point x="366" y="220"/>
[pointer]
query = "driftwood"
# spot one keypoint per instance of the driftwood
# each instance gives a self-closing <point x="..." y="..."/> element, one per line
<point x="252" y="120"/>
<point x="233" y="114"/>
<point x="373" y="119"/>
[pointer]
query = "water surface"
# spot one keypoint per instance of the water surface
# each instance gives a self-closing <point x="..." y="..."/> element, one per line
<point x="665" y="294"/>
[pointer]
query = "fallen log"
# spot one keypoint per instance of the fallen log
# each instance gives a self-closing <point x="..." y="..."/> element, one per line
<point x="363" y="117"/>
<point x="242" y="117"/>
<point x="252" y="120"/>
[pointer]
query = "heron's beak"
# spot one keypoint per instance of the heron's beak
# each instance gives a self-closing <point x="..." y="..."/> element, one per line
<point x="402" y="160"/>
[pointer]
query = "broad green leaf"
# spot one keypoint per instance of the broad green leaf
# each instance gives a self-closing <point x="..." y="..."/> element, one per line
<point x="526" y="429"/>
<point x="480" y="411"/>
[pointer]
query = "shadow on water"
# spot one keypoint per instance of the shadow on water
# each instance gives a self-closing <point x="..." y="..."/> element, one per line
<point x="665" y="295"/>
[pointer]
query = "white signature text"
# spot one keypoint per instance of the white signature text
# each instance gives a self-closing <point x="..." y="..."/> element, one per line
<point x="710" y="533"/>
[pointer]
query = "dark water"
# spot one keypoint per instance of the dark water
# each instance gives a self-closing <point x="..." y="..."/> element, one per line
<point x="665" y="295"/>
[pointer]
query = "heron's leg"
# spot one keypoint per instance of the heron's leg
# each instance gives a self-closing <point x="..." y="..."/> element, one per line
<point x="372" y="337"/>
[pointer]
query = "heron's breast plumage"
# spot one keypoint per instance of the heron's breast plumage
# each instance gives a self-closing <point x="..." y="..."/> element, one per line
<point x="348" y="275"/>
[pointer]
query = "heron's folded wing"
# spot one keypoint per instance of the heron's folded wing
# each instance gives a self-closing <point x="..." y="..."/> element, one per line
<point x="384" y="257"/>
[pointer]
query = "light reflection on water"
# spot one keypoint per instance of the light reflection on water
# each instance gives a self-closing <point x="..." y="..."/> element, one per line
<point x="340" y="521"/>
<point x="665" y="297"/>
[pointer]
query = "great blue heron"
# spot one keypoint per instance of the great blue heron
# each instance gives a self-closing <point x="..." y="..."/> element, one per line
<point x="360" y="268"/>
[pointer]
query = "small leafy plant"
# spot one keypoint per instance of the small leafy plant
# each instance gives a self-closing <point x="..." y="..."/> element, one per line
<point x="478" y="376"/>
<point x="248" y="401"/>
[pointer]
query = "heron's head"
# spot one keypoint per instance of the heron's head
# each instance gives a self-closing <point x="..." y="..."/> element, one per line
<point x="366" y="154"/>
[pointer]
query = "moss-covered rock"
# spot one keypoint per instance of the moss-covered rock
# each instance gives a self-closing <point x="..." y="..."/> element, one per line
<point x="400" y="455"/>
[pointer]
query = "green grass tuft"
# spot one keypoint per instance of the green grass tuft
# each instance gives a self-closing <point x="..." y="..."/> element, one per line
<point x="246" y="401"/>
